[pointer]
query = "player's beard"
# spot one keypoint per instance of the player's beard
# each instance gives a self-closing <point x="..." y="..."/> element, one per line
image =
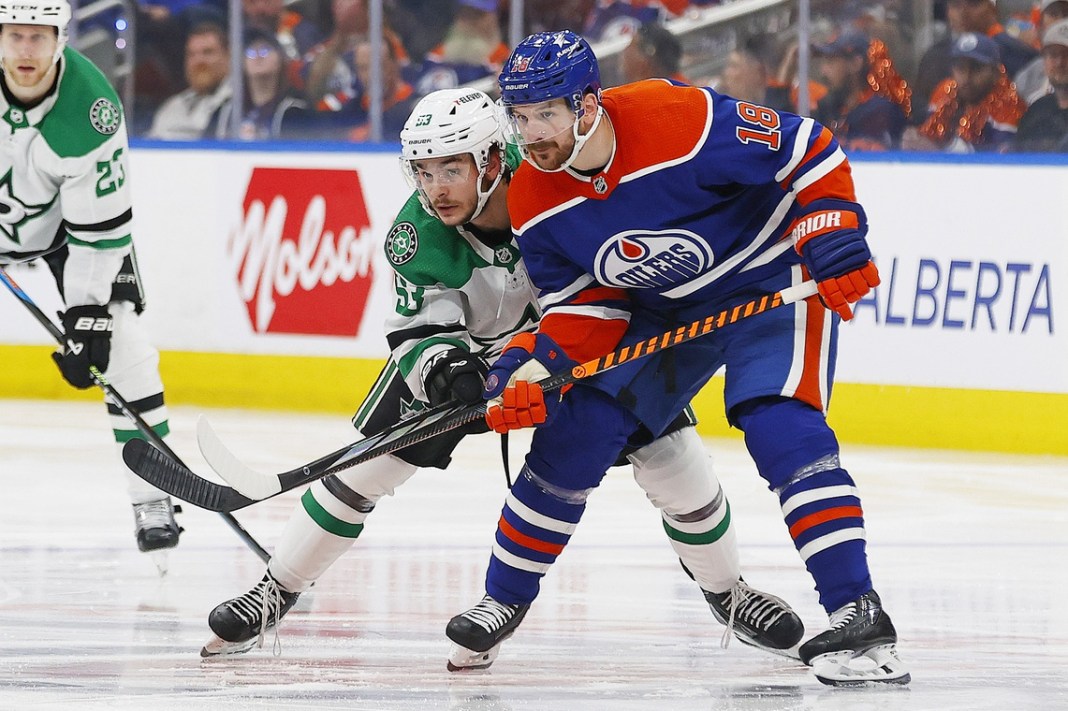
<point x="26" y="80"/>
<point x="549" y="155"/>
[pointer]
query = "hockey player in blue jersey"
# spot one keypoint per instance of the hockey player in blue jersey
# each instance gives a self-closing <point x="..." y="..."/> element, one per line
<point x="653" y="205"/>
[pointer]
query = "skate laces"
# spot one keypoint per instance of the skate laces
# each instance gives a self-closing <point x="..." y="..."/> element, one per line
<point x="489" y="614"/>
<point x="154" y="514"/>
<point x="261" y="606"/>
<point x="844" y="615"/>
<point x="751" y="607"/>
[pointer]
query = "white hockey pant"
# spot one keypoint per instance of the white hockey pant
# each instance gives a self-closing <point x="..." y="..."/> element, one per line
<point x="676" y="474"/>
<point x="330" y="518"/>
<point x="133" y="370"/>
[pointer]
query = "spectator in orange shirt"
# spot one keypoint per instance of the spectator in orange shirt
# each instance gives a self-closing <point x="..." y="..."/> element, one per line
<point x="866" y="102"/>
<point x="977" y="109"/>
<point x="963" y="16"/>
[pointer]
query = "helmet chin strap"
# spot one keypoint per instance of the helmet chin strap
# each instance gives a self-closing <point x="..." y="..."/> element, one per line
<point x="484" y="195"/>
<point x="580" y="141"/>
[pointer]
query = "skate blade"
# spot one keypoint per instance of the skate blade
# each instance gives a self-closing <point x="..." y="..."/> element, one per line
<point x="464" y="659"/>
<point x="219" y="647"/>
<point x="876" y="666"/>
<point x="160" y="559"/>
<point x="789" y="652"/>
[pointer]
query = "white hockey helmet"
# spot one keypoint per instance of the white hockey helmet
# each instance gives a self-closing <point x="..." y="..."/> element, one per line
<point x="452" y="122"/>
<point x="52" y="13"/>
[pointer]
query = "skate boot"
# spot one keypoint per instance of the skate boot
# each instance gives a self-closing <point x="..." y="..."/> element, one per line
<point x="478" y="633"/>
<point x="154" y="525"/>
<point x="242" y="622"/>
<point x="757" y="619"/>
<point x="860" y="647"/>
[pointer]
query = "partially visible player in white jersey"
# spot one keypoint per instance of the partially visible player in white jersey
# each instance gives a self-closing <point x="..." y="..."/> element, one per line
<point x="65" y="198"/>
<point x="462" y="292"/>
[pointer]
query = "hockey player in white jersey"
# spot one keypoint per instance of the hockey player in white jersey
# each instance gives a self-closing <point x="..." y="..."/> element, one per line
<point x="65" y="198"/>
<point x="462" y="292"/>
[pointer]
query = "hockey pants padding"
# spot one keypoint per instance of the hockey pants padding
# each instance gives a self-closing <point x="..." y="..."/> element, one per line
<point x="797" y="454"/>
<point x="330" y="518"/>
<point x="676" y="474"/>
<point x="568" y="458"/>
<point x="133" y="370"/>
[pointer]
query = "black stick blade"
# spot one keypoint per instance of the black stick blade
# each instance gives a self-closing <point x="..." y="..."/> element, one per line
<point x="164" y="473"/>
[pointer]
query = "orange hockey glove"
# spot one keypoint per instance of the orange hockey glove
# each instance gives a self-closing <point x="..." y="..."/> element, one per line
<point x="515" y="400"/>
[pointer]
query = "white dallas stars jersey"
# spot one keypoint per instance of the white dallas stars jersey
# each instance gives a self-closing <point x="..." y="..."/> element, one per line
<point x="452" y="290"/>
<point x="64" y="178"/>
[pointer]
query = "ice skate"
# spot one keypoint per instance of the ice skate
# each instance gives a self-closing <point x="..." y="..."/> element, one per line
<point x="859" y="648"/>
<point x="244" y="621"/>
<point x="156" y="530"/>
<point x="757" y="619"/>
<point x="478" y="633"/>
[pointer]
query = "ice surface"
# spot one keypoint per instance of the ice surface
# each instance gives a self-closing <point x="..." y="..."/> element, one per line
<point x="967" y="551"/>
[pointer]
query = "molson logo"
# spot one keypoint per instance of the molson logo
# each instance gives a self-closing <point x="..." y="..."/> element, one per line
<point x="302" y="252"/>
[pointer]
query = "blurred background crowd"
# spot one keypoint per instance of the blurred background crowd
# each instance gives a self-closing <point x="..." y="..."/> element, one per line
<point x="927" y="75"/>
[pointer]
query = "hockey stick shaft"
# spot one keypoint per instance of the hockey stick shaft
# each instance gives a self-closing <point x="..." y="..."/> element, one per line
<point x="121" y="403"/>
<point x="258" y="486"/>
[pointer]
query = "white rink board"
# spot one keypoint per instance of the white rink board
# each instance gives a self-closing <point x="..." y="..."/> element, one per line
<point x="974" y="260"/>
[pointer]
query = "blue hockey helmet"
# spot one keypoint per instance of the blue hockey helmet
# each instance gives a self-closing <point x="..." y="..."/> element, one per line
<point x="550" y="65"/>
<point x="545" y="67"/>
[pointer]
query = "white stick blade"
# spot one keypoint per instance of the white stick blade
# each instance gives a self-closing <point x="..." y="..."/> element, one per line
<point x="247" y="481"/>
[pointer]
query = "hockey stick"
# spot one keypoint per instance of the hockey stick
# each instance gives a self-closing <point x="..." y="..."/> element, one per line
<point x="249" y="485"/>
<point x="157" y="442"/>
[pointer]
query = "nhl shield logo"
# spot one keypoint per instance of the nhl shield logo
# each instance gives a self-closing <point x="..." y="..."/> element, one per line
<point x="600" y="185"/>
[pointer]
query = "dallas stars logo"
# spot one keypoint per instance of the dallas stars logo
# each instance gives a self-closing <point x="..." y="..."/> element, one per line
<point x="13" y="212"/>
<point x="401" y="243"/>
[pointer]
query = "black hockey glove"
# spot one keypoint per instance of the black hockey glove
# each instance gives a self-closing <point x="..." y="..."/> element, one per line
<point x="455" y="374"/>
<point x="87" y="335"/>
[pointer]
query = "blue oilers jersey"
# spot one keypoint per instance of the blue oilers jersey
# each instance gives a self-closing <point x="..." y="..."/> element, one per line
<point x="696" y="204"/>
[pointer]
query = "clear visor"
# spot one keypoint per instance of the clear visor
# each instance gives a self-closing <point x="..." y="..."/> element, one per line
<point x="530" y="124"/>
<point x="425" y="175"/>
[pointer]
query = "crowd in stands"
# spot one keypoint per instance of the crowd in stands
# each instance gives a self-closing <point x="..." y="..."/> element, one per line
<point x="995" y="79"/>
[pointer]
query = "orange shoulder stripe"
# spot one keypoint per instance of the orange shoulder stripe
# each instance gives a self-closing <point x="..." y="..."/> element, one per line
<point x="822" y="141"/>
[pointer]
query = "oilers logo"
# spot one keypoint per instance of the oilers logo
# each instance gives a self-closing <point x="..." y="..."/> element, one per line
<point x="638" y="259"/>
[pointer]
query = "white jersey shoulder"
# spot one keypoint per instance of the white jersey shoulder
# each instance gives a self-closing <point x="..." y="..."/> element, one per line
<point x="64" y="178"/>
<point x="452" y="290"/>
